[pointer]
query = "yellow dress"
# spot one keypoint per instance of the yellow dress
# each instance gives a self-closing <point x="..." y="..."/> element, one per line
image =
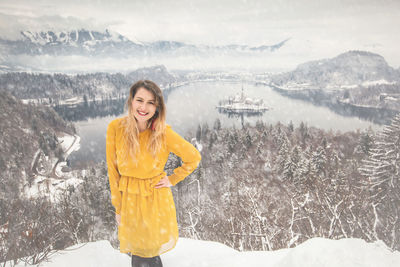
<point x="148" y="218"/>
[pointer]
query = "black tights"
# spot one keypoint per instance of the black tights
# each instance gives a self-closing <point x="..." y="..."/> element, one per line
<point x="146" y="262"/>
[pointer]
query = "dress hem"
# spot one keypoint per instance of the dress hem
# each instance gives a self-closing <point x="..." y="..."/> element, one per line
<point x="151" y="256"/>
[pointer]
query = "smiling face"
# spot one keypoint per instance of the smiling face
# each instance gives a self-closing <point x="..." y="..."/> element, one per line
<point x="143" y="107"/>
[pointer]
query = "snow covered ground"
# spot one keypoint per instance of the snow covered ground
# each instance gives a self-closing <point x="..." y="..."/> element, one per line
<point x="315" y="252"/>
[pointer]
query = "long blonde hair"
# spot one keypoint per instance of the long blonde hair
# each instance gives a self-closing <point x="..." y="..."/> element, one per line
<point x="156" y="123"/>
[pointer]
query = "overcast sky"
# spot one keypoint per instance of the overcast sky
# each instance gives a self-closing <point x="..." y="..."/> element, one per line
<point x="354" y="24"/>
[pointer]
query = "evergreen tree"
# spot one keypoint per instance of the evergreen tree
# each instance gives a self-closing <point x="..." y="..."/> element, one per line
<point x="303" y="129"/>
<point x="205" y="130"/>
<point x="232" y="140"/>
<point x="198" y="133"/>
<point x="213" y="138"/>
<point x="319" y="160"/>
<point x="366" y="141"/>
<point x="217" y="124"/>
<point x="304" y="179"/>
<point x="248" y="140"/>
<point x="85" y="101"/>
<point x="290" y="127"/>
<point x="283" y="154"/>
<point x="291" y="166"/>
<point x="259" y="125"/>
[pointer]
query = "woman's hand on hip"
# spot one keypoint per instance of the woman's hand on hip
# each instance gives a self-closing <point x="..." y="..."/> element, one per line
<point x="164" y="182"/>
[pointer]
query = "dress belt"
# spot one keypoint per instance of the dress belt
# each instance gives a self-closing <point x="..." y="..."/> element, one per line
<point x="140" y="186"/>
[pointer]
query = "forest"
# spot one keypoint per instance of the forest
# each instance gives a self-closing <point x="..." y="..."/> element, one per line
<point x="261" y="187"/>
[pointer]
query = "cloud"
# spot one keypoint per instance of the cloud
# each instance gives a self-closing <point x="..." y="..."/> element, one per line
<point x="316" y="26"/>
<point x="206" y="21"/>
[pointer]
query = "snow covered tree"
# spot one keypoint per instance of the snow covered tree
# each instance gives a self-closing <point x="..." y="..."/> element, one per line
<point x="383" y="170"/>
<point x="233" y="139"/>
<point x="383" y="165"/>
<point x="319" y="160"/>
<point x="291" y="165"/>
<point x="365" y="142"/>
<point x="282" y="156"/>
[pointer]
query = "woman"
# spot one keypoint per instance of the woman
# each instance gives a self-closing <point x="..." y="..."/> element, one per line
<point x="137" y="148"/>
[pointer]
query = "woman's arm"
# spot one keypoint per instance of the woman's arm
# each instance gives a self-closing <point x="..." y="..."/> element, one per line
<point x="186" y="151"/>
<point x="113" y="174"/>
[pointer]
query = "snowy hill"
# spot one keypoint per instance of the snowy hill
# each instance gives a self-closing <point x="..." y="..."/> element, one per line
<point x="347" y="70"/>
<point x="357" y="79"/>
<point x="315" y="252"/>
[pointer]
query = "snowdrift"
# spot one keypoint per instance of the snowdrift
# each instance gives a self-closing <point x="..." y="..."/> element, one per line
<point x="315" y="252"/>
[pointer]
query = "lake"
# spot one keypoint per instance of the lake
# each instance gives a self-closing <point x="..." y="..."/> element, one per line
<point x="195" y="103"/>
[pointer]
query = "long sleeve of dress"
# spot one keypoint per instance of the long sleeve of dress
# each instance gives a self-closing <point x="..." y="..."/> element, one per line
<point x="186" y="151"/>
<point x="113" y="173"/>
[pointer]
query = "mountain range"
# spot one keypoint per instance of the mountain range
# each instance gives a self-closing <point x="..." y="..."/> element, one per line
<point x="93" y="43"/>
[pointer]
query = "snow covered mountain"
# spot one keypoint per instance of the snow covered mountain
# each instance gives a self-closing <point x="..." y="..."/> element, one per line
<point x="347" y="70"/>
<point x="359" y="79"/>
<point x="315" y="252"/>
<point x="83" y="50"/>
<point x="73" y="38"/>
<point x="94" y="43"/>
<point x="79" y="42"/>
